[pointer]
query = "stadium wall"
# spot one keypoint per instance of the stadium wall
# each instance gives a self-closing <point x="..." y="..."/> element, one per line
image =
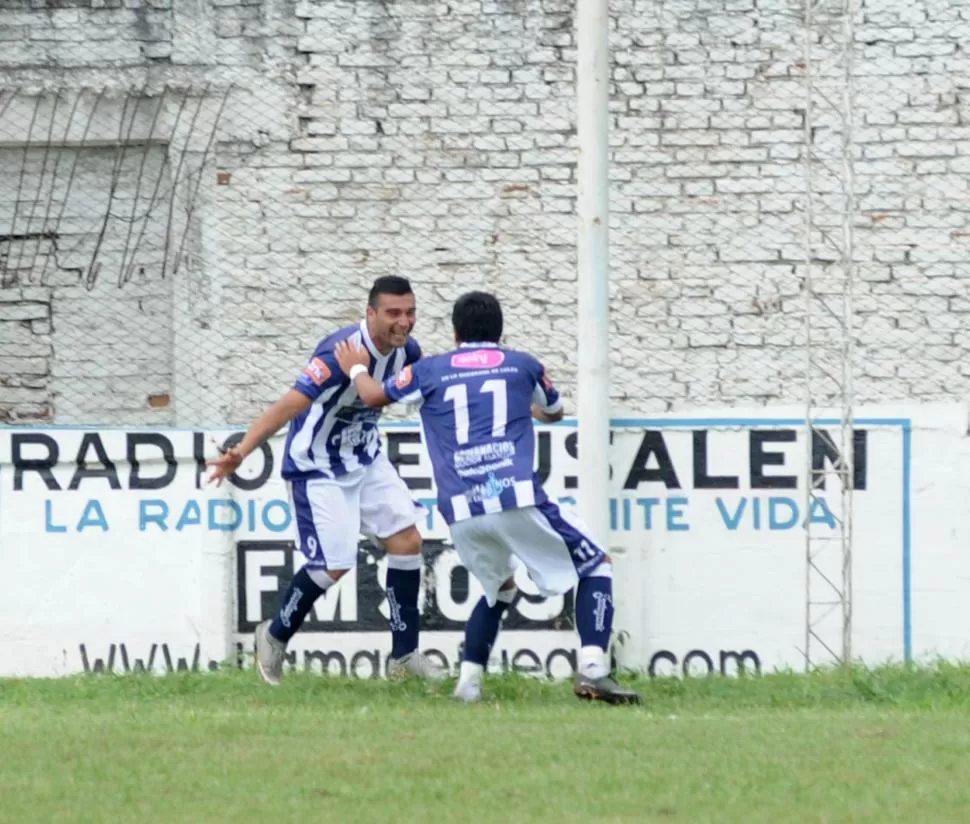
<point x="194" y="193"/>
<point x="115" y="555"/>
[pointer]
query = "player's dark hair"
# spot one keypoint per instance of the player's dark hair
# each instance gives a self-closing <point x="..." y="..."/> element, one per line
<point x="477" y="318"/>
<point x="388" y="285"/>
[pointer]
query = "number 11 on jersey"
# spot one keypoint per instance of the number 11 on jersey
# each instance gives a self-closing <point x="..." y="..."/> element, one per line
<point x="457" y="395"/>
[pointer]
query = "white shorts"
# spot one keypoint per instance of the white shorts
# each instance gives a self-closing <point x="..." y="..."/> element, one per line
<point x="330" y="516"/>
<point x="551" y="543"/>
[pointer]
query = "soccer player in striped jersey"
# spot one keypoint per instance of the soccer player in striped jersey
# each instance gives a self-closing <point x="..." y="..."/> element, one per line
<point x="341" y="484"/>
<point x="477" y="404"/>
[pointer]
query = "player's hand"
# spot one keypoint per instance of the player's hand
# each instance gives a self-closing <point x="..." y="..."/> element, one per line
<point x="223" y="466"/>
<point x="348" y="356"/>
<point x="545" y="417"/>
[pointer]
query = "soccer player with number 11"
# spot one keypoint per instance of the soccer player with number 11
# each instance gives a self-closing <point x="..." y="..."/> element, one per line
<point x="477" y="404"/>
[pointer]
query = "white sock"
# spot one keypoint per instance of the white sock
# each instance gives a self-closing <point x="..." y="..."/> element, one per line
<point x="592" y="662"/>
<point x="470" y="672"/>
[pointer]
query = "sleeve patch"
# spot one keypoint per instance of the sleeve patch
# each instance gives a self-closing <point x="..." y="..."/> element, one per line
<point x="403" y="377"/>
<point x="317" y="371"/>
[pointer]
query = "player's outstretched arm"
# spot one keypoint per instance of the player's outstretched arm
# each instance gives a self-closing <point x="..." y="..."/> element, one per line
<point x="353" y="362"/>
<point x="273" y="419"/>
<point x="265" y="426"/>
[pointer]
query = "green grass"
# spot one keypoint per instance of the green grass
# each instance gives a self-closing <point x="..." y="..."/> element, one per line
<point x="880" y="745"/>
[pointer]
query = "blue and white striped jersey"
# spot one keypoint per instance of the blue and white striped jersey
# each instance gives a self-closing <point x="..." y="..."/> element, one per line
<point x="476" y="408"/>
<point x="337" y="436"/>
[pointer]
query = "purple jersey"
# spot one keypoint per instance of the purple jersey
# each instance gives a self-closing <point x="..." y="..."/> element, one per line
<point x="476" y="409"/>
<point x="338" y="434"/>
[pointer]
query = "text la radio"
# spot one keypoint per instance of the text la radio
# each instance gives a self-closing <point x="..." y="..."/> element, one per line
<point x="357" y="602"/>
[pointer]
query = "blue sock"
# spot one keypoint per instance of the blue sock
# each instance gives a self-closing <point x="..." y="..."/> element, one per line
<point x="482" y="630"/>
<point x="296" y="605"/>
<point x="594" y="611"/>
<point x="403" y="584"/>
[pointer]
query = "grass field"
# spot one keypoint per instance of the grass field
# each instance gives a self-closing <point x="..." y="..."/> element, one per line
<point x="882" y="745"/>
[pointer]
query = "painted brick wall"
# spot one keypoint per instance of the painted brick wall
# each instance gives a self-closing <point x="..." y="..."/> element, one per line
<point x="301" y="149"/>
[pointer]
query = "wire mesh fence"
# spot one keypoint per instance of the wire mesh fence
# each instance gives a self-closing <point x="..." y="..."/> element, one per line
<point x="787" y="182"/>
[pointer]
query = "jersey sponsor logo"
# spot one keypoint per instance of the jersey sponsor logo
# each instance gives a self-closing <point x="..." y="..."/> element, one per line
<point x="478" y="359"/>
<point x="403" y="377"/>
<point x="357" y="413"/>
<point x="489" y="457"/>
<point x="354" y="436"/>
<point x="492" y="488"/>
<point x="317" y="371"/>
<point x="494" y="466"/>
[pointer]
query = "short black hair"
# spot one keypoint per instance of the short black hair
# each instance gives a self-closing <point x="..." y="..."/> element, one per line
<point x="477" y="318"/>
<point x="388" y="285"/>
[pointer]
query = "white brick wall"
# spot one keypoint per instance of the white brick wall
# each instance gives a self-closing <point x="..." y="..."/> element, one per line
<point x="362" y="137"/>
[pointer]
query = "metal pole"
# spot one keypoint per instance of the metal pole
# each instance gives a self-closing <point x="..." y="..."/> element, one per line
<point x="593" y="326"/>
<point x="809" y="294"/>
<point x="848" y="314"/>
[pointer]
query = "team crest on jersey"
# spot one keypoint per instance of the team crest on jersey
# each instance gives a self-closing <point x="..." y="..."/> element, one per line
<point x="478" y="359"/>
<point x="317" y="371"/>
<point x="403" y="377"/>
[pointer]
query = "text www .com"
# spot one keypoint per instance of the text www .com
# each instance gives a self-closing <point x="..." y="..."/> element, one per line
<point x="159" y="658"/>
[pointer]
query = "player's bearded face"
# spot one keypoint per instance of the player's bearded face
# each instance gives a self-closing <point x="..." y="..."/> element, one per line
<point x="393" y="320"/>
